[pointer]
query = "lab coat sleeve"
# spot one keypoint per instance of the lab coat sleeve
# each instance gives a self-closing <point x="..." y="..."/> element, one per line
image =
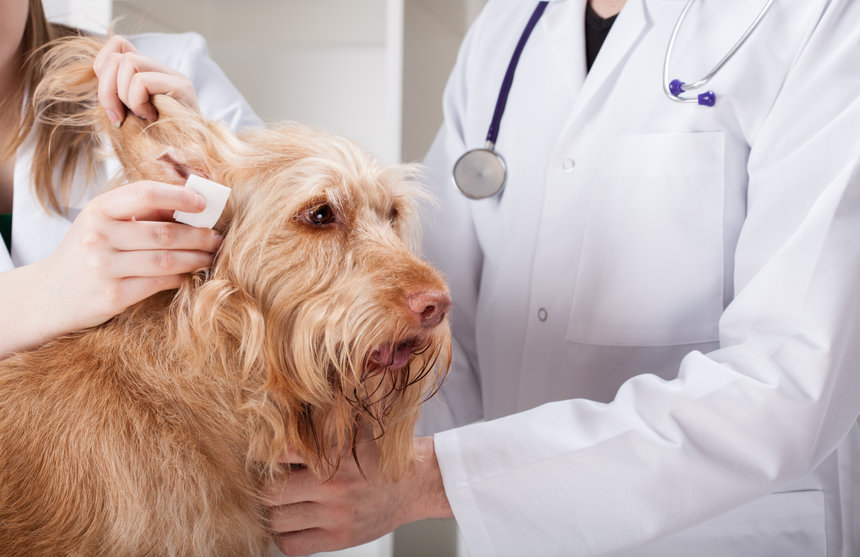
<point x="448" y="216"/>
<point x="582" y="478"/>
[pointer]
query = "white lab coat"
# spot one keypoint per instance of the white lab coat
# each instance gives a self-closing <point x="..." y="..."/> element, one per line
<point x="664" y="301"/>
<point x="35" y="232"/>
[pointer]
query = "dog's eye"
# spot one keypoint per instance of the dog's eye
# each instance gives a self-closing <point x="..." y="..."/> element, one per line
<point x="321" y="215"/>
<point x="393" y="214"/>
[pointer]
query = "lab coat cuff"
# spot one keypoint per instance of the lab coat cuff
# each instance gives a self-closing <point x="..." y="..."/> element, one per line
<point x="460" y="494"/>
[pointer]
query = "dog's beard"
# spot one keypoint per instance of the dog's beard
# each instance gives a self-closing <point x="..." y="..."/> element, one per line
<point x="315" y="379"/>
<point x="325" y="392"/>
<point x="385" y="393"/>
<point x="385" y="385"/>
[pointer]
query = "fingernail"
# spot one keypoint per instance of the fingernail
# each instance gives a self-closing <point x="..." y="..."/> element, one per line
<point x="199" y="201"/>
<point x="219" y="239"/>
<point x="114" y="118"/>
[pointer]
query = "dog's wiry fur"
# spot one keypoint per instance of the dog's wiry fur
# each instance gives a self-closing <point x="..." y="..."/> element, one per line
<point x="150" y="434"/>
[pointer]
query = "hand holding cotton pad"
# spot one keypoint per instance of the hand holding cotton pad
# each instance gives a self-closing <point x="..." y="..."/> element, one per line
<point x="216" y="199"/>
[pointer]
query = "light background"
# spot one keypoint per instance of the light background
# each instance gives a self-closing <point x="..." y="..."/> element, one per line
<point x="372" y="70"/>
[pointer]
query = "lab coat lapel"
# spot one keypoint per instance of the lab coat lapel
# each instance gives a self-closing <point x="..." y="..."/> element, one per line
<point x="566" y="34"/>
<point x="5" y="260"/>
<point x="626" y="32"/>
<point x="35" y="231"/>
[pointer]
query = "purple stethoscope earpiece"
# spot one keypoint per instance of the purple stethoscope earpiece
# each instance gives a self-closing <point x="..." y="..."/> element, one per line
<point x="708" y="98"/>
<point x="675" y="88"/>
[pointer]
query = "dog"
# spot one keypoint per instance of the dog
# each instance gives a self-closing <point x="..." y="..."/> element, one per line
<point x="153" y="433"/>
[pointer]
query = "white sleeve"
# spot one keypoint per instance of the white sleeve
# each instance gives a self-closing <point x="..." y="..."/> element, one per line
<point x="758" y="413"/>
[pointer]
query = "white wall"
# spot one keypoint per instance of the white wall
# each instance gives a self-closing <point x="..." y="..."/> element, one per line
<point x="293" y="61"/>
<point x="433" y="30"/>
<point x="372" y="70"/>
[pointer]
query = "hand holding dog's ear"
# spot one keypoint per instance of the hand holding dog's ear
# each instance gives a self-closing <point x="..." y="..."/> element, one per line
<point x="353" y="507"/>
<point x="129" y="79"/>
<point x="122" y="248"/>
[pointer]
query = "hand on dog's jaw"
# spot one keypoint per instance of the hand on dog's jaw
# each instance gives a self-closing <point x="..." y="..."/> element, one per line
<point x="353" y="507"/>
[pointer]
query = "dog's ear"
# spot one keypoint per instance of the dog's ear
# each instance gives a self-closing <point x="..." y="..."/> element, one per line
<point x="181" y="142"/>
<point x="178" y="168"/>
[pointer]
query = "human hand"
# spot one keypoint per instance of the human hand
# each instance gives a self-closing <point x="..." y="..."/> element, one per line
<point x="123" y="247"/>
<point x="129" y="79"/>
<point x="307" y="515"/>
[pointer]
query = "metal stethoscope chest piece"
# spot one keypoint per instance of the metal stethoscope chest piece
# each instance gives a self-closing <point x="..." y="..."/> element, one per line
<point x="480" y="173"/>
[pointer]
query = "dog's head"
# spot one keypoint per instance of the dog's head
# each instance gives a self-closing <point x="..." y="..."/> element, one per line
<point x="339" y="324"/>
<point x="316" y="296"/>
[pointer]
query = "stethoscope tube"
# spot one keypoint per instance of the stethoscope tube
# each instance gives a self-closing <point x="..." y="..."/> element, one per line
<point x="507" y="83"/>
<point x="675" y="88"/>
<point x="482" y="172"/>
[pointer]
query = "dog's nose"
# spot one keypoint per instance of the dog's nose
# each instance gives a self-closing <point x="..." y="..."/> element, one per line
<point x="430" y="306"/>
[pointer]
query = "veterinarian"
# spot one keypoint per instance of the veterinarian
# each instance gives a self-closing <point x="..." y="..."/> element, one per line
<point x="657" y="319"/>
<point x="69" y="261"/>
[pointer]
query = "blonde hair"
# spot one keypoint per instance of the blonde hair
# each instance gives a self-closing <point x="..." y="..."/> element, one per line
<point x="56" y="147"/>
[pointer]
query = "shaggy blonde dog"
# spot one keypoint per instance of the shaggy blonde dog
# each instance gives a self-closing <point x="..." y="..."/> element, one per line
<point x="151" y="434"/>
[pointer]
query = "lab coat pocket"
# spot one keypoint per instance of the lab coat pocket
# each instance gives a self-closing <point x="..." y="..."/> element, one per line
<point x="651" y="268"/>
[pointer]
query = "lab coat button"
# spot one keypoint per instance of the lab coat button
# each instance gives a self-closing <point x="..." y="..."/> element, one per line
<point x="568" y="165"/>
<point x="542" y="314"/>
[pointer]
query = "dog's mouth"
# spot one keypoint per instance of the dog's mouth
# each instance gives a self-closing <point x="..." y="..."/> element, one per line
<point x="395" y="356"/>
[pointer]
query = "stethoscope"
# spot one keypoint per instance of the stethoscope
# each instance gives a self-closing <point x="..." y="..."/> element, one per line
<point x="481" y="173"/>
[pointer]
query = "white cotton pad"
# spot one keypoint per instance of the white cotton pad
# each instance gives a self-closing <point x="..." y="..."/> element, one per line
<point x="216" y="199"/>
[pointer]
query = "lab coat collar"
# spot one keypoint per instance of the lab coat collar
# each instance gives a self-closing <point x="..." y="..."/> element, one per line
<point x="626" y="32"/>
<point x="564" y="24"/>
<point x="566" y="34"/>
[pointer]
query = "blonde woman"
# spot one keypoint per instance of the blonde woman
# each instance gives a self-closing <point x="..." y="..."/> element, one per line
<point x="73" y="256"/>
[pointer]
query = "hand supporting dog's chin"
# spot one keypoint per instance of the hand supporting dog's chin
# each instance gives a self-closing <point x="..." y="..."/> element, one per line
<point x="354" y="506"/>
